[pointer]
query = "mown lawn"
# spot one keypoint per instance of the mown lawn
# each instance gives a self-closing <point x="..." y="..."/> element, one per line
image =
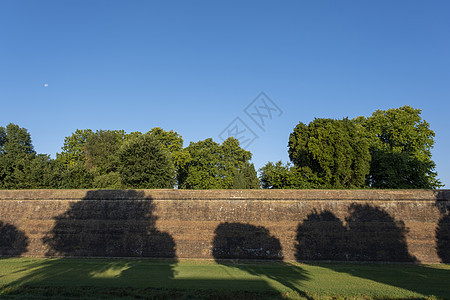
<point x="30" y="278"/>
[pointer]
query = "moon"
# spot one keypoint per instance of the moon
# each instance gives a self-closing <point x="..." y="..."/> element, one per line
<point x="45" y="84"/>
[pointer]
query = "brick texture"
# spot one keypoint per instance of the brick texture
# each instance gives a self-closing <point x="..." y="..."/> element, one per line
<point x="342" y="225"/>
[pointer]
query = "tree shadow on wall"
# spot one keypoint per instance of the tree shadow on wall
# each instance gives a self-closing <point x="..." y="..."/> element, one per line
<point x="371" y="234"/>
<point x="443" y="228"/>
<point x="374" y="235"/>
<point x="322" y="236"/>
<point x="245" y="241"/>
<point x="235" y="244"/>
<point x="111" y="224"/>
<point x="13" y="242"/>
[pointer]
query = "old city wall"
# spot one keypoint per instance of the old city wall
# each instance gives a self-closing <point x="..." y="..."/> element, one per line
<point x="344" y="225"/>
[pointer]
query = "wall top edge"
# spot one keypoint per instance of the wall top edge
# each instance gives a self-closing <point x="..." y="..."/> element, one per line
<point x="173" y="194"/>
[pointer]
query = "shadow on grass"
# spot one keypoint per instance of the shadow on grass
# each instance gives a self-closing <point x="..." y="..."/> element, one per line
<point x="105" y="223"/>
<point x="370" y="234"/>
<point x="243" y="242"/>
<point x="132" y="278"/>
<point x="118" y="224"/>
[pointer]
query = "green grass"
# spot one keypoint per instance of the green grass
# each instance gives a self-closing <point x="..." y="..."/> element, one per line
<point x="30" y="278"/>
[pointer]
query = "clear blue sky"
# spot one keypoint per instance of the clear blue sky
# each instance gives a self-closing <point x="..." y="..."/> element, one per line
<point x="193" y="66"/>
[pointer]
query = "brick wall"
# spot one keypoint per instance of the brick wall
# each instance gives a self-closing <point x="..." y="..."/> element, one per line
<point x="344" y="225"/>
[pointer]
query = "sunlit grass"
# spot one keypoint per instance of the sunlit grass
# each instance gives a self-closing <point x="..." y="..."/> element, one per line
<point x="23" y="277"/>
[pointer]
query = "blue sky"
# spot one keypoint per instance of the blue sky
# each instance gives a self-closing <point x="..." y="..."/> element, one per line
<point x="194" y="66"/>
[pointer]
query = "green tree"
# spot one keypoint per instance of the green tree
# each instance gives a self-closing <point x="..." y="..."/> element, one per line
<point x="285" y="176"/>
<point x="401" y="144"/>
<point x="16" y="152"/>
<point x="102" y="161"/>
<point x="211" y="165"/>
<point x="101" y="150"/>
<point x="94" y="155"/>
<point x="201" y="171"/>
<point x="37" y="172"/>
<point x="71" y="162"/>
<point x="334" y="151"/>
<point x="15" y="140"/>
<point x="246" y="178"/>
<point x="232" y="161"/>
<point x="20" y="166"/>
<point x="73" y="150"/>
<point x="89" y="159"/>
<point x="76" y="176"/>
<point x="172" y="142"/>
<point x="145" y="164"/>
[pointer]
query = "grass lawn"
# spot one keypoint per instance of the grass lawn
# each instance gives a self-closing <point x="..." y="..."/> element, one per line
<point x="31" y="278"/>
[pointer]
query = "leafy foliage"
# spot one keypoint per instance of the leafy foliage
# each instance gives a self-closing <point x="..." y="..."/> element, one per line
<point x="16" y="155"/>
<point x="201" y="171"/>
<point x="336" y="151"/>
<point x="101" y="150"/>
<point x="279" y="176"/>
<point x="76" y="176"/>
<point x="246" y="178"/>
<point x="172" y="142"/>
<point x="145" y="164"/>
<point x="401" y="144"/>
<point x="15" y="140"/>
<point x="213" y="166"/>
<point x="74" y="148"/>
<point x="390" y="149"/>
<point x="39" y="172"/>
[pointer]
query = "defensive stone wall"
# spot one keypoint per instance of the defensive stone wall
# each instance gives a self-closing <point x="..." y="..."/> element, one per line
<point x="304" y="225"/>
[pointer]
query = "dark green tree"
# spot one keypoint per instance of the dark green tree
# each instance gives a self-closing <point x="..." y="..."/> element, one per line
<point x="90" y="159"/>
<point x="15" y="140"/>
<point x="38" y="172"/>
<point x="172" y="142"/>
<point x="16" y="152"/>
<point x="145" y="164"/>
<point x="210" y="165"/>
<point x="336" y="152"/>
<point x="20" y="166"/>
<point x="233" y="160"/>
<point x="285" y="176"/>
<point x="246" y="178"/>
<point x="401" y="144"/>
<point x="76" y="176"/>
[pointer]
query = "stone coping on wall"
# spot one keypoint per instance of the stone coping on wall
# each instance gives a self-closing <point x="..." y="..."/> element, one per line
<point x="174" y="194"/>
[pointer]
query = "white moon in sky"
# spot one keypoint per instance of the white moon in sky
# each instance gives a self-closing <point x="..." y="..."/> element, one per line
<point x="45" y="84"/>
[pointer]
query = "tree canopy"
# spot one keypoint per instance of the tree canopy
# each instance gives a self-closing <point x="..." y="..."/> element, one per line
<point x="16" y="154"/>
<point x="214" y="166"/>
<point x="144" y="163"/>
<point x="336" y="151"/>
<point x="401" y="144"/>
<point x="389" y="149"/>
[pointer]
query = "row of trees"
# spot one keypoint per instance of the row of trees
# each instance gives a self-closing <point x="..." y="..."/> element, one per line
<point x="113" y="159"/>
<point x="390" y="149"/>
